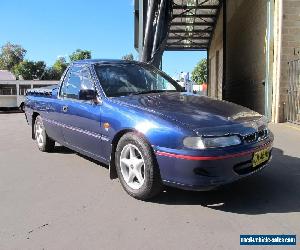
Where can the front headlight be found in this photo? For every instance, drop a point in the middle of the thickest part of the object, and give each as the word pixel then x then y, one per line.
pixel 211 142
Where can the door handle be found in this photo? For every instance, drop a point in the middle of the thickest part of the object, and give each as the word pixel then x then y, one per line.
pixel 65 109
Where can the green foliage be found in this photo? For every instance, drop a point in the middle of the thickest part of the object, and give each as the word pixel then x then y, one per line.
pixel 80 55
pixel 59 67
pixel 12 59
pixel 55 72
pixel 51 74
pixel 128 57
pixel 11 55
pixel 29 70
pixel 199 74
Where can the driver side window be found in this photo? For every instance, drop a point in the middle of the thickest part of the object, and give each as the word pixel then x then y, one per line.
pixel 86 80
pixel 77 78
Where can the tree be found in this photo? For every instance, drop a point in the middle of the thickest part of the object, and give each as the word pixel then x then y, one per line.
pixel 11 55
pixel 80 55
pixel 128 57
pixel 55 72
pixel 39 69
pixel 29 70
pixel 60 66
pixel 199 74
pixel 50 74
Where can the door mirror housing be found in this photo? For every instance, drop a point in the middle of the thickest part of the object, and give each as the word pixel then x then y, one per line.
pixel 87 95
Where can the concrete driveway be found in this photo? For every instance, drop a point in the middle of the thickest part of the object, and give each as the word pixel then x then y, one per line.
pixel 62 200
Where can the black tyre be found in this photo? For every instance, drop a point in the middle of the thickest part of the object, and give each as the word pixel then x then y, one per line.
pixel 137 167
pixel 44 143
pixel 22 107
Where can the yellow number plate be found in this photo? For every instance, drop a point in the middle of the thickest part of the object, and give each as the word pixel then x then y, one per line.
pixel 260 157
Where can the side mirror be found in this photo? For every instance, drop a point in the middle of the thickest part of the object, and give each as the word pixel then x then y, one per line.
pixel 87 95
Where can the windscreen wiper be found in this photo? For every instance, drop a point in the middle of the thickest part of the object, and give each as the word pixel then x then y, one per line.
pixel 153 91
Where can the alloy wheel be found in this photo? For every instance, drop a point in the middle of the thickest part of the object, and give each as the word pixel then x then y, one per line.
pixel 39 133
pixel 132 166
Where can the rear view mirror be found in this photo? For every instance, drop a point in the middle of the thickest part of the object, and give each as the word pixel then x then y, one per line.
pixel 87 95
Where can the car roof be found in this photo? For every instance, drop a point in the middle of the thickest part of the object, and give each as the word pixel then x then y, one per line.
pixel 102 61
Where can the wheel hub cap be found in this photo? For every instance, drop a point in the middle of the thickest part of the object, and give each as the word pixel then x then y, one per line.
pixel 132 166
pixel 39 134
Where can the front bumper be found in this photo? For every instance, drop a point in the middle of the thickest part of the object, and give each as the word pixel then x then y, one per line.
pixel 205 172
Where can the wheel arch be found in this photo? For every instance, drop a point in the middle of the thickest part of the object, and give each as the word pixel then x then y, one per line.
pixel 34 116
pixel 115 141
pixel 22 106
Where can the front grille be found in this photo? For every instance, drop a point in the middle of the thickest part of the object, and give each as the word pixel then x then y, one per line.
pixel 256 136
pixel 250 138
pixel 261 134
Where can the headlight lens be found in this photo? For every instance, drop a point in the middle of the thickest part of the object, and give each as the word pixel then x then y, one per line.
pixel 211 142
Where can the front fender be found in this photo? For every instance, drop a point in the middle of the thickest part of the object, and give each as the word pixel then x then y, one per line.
pixel 157 130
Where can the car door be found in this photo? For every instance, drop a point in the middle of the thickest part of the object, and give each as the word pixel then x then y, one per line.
pixel 53 115
pixel 81 119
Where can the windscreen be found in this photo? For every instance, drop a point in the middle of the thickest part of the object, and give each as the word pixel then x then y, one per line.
pixel 133 79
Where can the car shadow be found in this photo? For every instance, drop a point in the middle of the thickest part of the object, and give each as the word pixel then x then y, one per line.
pixel 100 164
pixel 10 111
pixel 59 149
pixel 276 189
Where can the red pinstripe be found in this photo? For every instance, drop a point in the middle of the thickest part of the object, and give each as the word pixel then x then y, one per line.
pixel 209 158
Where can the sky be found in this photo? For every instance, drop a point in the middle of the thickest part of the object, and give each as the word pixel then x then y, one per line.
pixel 48 29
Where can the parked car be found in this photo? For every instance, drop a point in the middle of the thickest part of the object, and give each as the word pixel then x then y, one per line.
pixel 136 119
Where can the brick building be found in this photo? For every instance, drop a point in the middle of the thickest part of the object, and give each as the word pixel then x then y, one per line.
pixel 253 47
pixel 261 39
